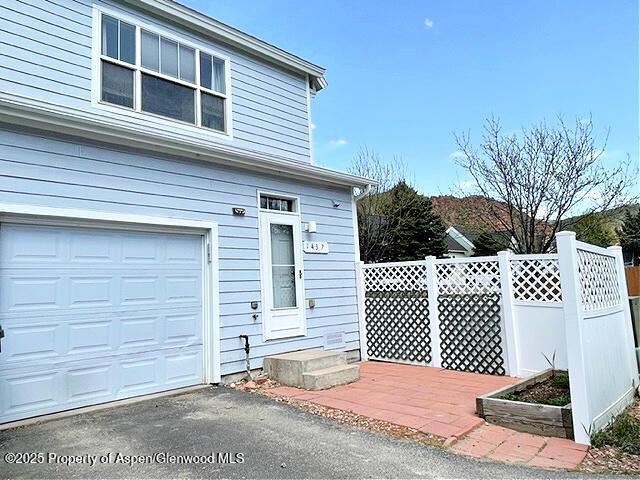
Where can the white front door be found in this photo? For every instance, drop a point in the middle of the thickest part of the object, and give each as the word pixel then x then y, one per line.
pixel 281 265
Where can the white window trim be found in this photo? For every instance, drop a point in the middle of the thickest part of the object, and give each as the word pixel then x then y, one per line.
pixel 38 215
pixel 266 283
pixel 137 113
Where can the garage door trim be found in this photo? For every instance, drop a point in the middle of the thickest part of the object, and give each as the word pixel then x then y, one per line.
pixel 40 215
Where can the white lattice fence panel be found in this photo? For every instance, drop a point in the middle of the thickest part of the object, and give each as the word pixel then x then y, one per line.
pixel 468 277
pixel 536 280
pixel 469 304
pixel 598 280
pixel 397 312
pixel 395 277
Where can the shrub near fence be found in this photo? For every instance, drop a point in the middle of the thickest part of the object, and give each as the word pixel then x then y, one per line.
pixel 510 314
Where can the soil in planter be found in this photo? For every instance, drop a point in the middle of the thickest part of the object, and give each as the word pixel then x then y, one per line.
pixel 552 391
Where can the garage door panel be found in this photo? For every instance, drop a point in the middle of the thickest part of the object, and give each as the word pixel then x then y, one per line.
pixel 30 392
pixel 90 336
pixel 140 332
pixel 31 245
pixel 63 339
pixel 100 289
pixel 38 390
pixel 179 368
pixel 35 292
pixel 94 315
pixel 141 290
pixel 183 251
pixel 183 289
pixel 92 383
pixel 49 246
pixel 183 328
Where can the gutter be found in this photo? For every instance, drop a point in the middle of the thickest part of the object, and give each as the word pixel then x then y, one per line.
pixel 23 111
pixel 364 193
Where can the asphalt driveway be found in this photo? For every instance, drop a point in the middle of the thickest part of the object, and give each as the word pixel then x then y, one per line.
pixel 249 436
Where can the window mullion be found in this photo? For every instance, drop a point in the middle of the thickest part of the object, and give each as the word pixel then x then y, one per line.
pixel 118 42
pixel 138 75
pixel 197 92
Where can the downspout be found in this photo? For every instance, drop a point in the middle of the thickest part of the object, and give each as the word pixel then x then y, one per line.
pixel 358 271
pixel 354 213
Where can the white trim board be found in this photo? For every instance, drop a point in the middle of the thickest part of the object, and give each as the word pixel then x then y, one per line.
pixel 19 110
pixel 34 214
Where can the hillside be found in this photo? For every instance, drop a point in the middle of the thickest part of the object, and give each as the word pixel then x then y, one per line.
pixel 468 212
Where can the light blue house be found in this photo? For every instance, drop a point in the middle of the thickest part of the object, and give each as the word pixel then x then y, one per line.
pixel 157 201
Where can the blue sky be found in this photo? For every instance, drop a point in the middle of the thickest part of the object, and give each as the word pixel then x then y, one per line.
pixel 403 76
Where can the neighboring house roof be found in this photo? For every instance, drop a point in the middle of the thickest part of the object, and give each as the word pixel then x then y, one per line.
pixel 453 245
pixel 217 30
pixel 457 241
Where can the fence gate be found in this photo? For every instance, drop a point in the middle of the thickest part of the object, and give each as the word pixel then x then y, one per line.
pixel 469 299
pixel 397 312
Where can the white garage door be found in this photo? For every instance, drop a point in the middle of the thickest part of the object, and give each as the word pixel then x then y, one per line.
pixel 94 315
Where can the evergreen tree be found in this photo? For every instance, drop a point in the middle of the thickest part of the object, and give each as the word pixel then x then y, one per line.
pixel 487 244
pixel 629 235
pixel 416 229
pixel 594 229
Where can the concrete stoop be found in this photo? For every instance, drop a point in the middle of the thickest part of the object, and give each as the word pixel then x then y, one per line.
pixel 311 369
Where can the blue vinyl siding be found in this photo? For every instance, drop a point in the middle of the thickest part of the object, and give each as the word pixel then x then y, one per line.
pixel 36 169
pixel 45 53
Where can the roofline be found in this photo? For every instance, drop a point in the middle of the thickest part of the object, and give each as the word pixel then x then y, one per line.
pixel 211 27
pixel 23 111
pixel 459 237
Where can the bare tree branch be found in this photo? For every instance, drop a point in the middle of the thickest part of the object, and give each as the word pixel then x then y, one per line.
pixel 542 177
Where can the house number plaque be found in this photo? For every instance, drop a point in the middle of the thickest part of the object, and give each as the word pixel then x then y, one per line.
pixel 315 247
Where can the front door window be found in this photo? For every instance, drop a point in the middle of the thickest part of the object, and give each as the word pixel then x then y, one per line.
pixel 283 266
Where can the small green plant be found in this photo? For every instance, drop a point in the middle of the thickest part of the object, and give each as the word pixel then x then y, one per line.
pixel 623 432
pixel 560 380
pixel 559 401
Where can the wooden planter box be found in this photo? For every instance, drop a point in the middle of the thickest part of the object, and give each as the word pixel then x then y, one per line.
pixel 547 420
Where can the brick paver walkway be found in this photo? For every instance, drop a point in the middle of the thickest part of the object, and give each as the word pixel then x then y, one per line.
pixel 505 445
pixel 441 403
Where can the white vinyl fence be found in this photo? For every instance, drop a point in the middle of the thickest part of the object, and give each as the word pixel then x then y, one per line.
pixel 603 370
pixel 510 314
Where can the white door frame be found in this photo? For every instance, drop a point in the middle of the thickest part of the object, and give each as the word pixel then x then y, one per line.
pixel 265 218
pixel 38 215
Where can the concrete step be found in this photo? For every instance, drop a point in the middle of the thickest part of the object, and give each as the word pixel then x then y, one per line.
pixel 330 377
pixel 288 368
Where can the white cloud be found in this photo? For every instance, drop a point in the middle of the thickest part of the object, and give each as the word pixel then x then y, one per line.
pixel 428 23
pixel 457 154
pixel 313 126
pixel 341 142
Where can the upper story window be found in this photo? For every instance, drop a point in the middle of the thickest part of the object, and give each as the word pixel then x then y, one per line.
pixel 148 72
